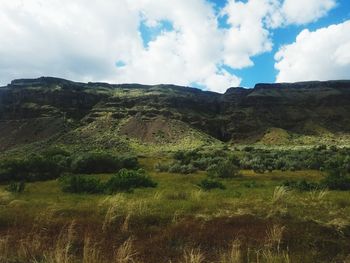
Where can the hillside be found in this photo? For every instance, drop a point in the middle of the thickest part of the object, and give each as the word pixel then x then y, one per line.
pixel 102 115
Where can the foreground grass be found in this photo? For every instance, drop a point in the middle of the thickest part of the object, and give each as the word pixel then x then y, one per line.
pixel 252 220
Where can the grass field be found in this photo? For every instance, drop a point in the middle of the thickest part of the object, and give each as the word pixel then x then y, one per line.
pixel 252 220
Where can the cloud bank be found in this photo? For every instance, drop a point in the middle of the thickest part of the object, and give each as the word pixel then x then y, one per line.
pixel 319 55
pixel 89 40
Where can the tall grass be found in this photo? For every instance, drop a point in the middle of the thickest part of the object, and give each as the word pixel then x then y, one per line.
pixel 5 197
pixel 63 249
pixel 193 256
pixel 274 236
pixel 279 195
pixel 114 205
pixel 4 248
pixel 234 254
pixel 269 256
pixel 126 253
pixel 318 196
pixel 91 251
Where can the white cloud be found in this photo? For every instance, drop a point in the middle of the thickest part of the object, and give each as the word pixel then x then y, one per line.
pixel 305 11
pixel 319 55
pixel 252 21
pixel 84 39
pixel 191 53
pixel 248 35
pixel 65 38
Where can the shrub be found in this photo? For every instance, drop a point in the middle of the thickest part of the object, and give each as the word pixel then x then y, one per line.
pixel 264 160
pixel 55 151
pixel 252 184
pixel 248 148
pixel 208 184
pixel 33 168
pixel 54 162
pixel 161 167
pixel 301 185
pixel 126 180
pixel 337 180
pixel 16 187
pixel 185 157
pixel 90 163
pixel 81 184
pixel 128 162
pixel 95 163
pixel 182 169
pixel 321 147
pixel 224 169
pixel 13 169
pixel 202 163
pixel 41 168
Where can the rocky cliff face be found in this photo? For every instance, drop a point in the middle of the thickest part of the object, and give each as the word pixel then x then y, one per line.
pixel 58 105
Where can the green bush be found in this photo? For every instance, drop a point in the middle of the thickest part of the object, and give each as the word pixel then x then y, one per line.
pixel 55 151
pixel 224 169
pixel 126 180
pixel 302 185
pixel 337 180
pixel 33 168
pixel 185 157
pixel 262 160
pixel 202 163
pixel 81 184
pixel 51 163
pixel 41 168
pixel 161 167
pixel 182 168
pixel 90 163
pixel 13 169
pixel 209 184
pixel 200 159
pixel 128 162
pixel 175 167
pixel 16 187
pixel 252 184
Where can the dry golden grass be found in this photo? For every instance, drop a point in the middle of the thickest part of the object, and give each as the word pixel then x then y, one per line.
pixel 114 206
pixel 269 256
pixel 62 251
pixel 234 255
pixel 4 248
pixel 193 256
pixel 126 253
pixel 125 225
pixel 274 236
pixel 318 196
pixel 279 195
pixel 91 251
pixel 5 197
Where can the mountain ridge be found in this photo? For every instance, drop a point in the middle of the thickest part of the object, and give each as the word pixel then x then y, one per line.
pixel 240 115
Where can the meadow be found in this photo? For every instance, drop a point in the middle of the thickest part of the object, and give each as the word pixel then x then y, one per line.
pixel 254 218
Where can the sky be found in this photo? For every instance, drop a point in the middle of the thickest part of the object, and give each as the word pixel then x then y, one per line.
pixel 208 44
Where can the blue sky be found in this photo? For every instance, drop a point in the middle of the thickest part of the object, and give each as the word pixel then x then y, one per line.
pixel 209 44
pixel 263 69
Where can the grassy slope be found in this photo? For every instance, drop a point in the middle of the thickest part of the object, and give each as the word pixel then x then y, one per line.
pixel 177 215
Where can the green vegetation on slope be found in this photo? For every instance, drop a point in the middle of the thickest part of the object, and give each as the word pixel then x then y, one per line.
pixel 183 215
pixel 149 119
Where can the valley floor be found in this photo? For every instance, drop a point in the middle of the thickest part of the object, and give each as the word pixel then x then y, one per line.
pixel 252 220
